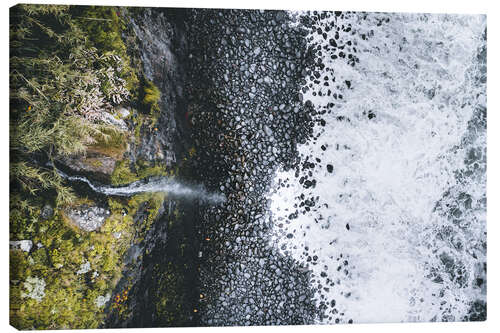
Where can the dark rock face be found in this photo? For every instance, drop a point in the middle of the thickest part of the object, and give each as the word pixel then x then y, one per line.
pixel 160 45
pixel 161 271
pixel 94 166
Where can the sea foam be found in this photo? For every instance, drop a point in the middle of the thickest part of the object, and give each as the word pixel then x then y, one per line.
pixel 399 225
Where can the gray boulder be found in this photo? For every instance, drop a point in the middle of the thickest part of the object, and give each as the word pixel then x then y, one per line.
pixel 88 218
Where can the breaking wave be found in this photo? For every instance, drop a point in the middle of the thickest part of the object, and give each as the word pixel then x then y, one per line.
pixel 388 208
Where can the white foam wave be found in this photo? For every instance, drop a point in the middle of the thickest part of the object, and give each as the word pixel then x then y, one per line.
pixel 374 226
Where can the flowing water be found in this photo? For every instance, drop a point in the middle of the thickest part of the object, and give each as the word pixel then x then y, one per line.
pixel 155 184
pixel 392 222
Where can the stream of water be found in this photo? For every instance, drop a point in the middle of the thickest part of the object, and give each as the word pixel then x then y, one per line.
pixel 155 184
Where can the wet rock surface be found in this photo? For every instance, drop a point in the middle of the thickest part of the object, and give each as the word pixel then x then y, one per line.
pixel 95 166
pixel 160 46
pixel 161 271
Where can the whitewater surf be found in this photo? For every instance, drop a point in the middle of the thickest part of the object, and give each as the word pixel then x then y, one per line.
pixel 388 209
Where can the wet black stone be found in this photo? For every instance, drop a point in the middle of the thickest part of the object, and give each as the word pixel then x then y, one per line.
pixel 329 167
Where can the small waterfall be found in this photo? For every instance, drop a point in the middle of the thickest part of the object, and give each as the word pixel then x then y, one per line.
pixel 157 184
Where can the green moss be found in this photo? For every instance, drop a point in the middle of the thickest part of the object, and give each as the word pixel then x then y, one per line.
pixel 94 162
pixel 69 299
pixel 104 28
pixel 122 174
pixel 192 152
pixel 157 170
pixel 144 169
pixel 153 203
pixel 151 97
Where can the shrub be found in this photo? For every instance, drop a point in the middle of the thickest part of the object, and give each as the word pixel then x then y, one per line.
pixel 60 89
pixel 104 30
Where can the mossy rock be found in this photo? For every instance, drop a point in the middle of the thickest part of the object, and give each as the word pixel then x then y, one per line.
pixel 123 173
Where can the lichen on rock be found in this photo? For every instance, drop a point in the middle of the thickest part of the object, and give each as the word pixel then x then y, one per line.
pixel 88 218
pixel 35 288
pixel 24 245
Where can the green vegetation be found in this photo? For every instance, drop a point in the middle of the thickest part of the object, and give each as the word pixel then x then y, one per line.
pixel 123 174
pixel 137 129
pixel 145 169
pixel 152 202
pixel 151 97
pixel 111 142
pixel 70 298
pixel 104 29
pixel 168 301
pixel 60 92
pixel 69 72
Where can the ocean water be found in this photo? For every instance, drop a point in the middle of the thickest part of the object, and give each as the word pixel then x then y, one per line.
pixel 388 208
